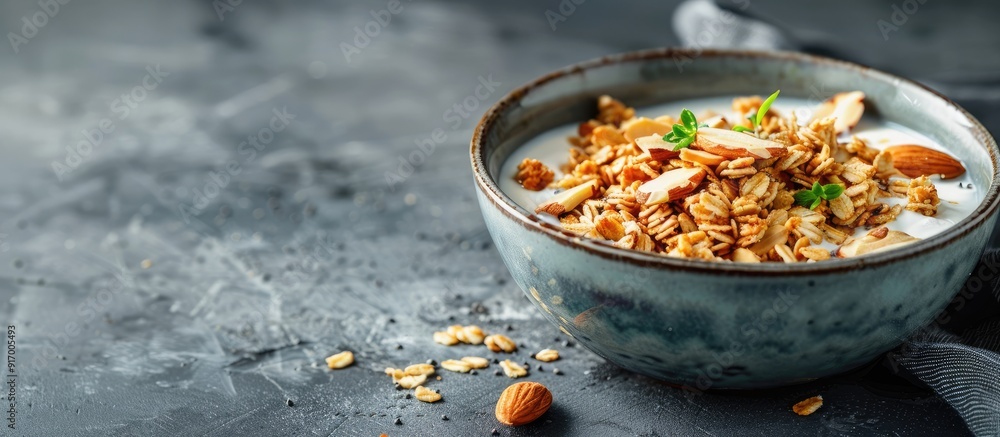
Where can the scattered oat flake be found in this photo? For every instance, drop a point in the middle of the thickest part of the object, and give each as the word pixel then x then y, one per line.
pixel 512 369
pixel 340 360
pixel 547 355
pixel 445 338
pixel 419 369
pixel 425 394
pixel 500 342
pixel 808 406
pixel 456 366
pixel 477 362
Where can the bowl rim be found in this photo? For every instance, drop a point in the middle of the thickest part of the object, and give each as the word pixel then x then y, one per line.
pixel 533 223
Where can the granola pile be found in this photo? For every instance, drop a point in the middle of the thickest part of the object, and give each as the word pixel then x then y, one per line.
pixel 732 194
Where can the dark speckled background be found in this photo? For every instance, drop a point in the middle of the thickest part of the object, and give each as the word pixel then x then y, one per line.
pixel 308 250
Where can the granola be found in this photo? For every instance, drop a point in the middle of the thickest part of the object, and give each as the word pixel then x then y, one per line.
pixel 725 194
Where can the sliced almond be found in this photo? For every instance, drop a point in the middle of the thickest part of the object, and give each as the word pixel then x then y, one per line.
pixel 744 255
pixel 847 108
pixel 701 157
pixel 569 199
pixel 718 122
pixel 773 236
pixel 915 161
pixel 644 127
pixel 658 149
pixel 670 185
pixel 877 240
pixel 731 144
pixel 445 338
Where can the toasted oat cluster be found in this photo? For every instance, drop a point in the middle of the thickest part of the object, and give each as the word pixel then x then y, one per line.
pixel 732 193
pixel 533 175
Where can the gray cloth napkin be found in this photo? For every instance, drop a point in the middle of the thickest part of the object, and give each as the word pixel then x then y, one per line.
pixel 958 355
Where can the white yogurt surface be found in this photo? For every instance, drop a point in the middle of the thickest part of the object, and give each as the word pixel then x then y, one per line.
pixel 552 149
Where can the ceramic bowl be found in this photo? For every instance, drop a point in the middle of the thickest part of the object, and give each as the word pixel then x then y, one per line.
pixel 708 325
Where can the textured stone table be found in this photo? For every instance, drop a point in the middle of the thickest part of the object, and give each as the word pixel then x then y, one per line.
pixel 196 211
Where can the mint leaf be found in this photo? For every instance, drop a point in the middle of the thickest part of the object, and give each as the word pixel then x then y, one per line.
pixel 741 128
pixel 684 133
pixel 687 118
pixel 683 143
pixel 764 107
pixel 832 191
pixel 805 198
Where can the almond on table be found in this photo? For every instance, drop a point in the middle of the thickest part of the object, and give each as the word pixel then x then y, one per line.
pixel 523 403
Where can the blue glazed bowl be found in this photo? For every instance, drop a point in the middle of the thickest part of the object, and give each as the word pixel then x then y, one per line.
pixel 711 325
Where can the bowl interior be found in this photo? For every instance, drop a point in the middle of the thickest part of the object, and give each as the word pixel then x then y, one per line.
pixel 653 77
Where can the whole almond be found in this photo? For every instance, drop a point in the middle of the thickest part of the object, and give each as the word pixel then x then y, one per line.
pixel 522 403
pixel 915 161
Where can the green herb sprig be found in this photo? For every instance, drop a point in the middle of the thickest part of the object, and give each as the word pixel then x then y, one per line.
pixel 812 198
pixel 683 133
pixel 758 117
